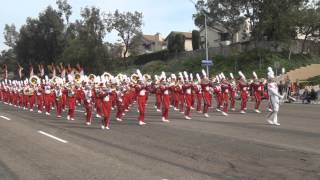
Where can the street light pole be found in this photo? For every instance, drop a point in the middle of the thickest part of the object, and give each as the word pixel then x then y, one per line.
pixel 207 51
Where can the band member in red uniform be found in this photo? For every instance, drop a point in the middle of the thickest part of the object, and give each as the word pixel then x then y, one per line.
pixel 243 88
pixel 198 93
pixel 106 104
pixel 158 93
pixel 207 96
pixel 71 100
pixel 257 87
pixel 225 88
pixel 141 90
pixel 88 103
pixel 58 98
pixel 218 93
pixel 47 96
pixel 187 89
pixel 165 90
pixel 233 92
pixel 39 93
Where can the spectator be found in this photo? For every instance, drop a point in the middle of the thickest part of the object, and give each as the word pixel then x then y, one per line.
pixel 306 96
pixel 313 95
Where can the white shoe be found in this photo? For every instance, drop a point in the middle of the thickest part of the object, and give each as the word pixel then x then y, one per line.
pixel 72 119
pixel 52 108
pixel 103 127
pixel 112 108
pixel 98 116
pixel 141 123
pixel 182 112
pixel 107 128
pixel 88 123
pixel 126 110
pixel 257 111
pixel 218 110
pixel 165 120
pixel 123 114
pixel 206 115
pixel 48 114
pixel 277 124
pixel 31 110
pixel 187 117
pixel 58 116
pixel 245 109
pixel 224 113
pixel 118 119
pixel 155 107
pixel 199 111
pixel 270 122
pixel 138 111
pixel 269 109
pixel 68 117
pixel 171 106
pixel 176 109
pixel 158 110
pixel 85 113
pixel 192 108
pixel 39 112
pixel 233 109
pixel 242 112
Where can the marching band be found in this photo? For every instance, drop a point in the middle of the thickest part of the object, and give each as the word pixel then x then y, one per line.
pixel 105 93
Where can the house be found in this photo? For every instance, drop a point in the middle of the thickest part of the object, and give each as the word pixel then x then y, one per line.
pixel 187 42
pixel 153 43
pixel 220 36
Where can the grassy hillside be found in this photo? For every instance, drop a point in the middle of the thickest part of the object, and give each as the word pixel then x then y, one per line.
pixel 246 62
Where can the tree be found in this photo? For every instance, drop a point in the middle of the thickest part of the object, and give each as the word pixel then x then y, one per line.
pixel 226 13
pixel 136 45
pixel 127 24
pixel 85 42
pixel 309 24
pixel 64 9
pixel 41 40
pixel 10 35
pixel 195 40
pixel 176 42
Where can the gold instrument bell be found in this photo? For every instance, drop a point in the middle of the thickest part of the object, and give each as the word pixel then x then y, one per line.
pixel 92 78
pixel 77 78
pixel 34 80
pixel 147 77
pixel 134 78
pixel 57 80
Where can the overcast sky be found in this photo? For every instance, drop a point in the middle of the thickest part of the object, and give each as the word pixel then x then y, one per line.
pixel 160 16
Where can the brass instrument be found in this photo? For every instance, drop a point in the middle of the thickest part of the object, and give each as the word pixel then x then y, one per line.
pixel 57 80
pixel 107 76
pixel 135 78
pixel 92 78
pixel 34 80
pixel 147 77
pixel 77 78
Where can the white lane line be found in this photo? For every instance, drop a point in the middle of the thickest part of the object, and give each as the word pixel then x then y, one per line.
pixel 6 118
pixel 53 137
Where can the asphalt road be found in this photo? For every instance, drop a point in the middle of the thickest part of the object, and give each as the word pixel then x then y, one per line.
pixel 233 147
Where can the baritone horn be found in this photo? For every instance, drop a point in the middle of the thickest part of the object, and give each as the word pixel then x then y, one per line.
pixel 147 77
pixel 92 78
pixel 77 78
pixel 57 80
pixel 134 78
pixel 34 80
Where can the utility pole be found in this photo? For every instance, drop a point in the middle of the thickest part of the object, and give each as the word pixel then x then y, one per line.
pixel 206 34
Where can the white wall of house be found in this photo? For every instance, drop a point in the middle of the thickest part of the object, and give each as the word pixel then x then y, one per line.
pixel 188 45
